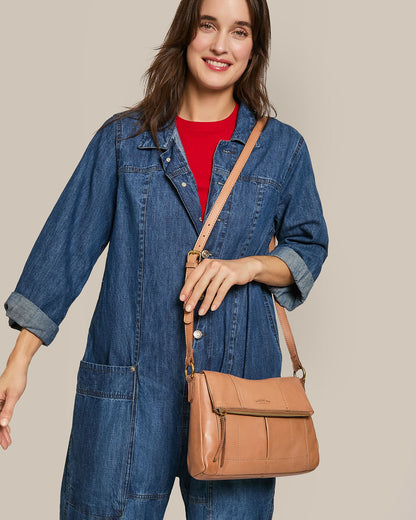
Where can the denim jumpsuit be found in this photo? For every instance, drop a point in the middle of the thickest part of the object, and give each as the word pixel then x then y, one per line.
pixel 128 438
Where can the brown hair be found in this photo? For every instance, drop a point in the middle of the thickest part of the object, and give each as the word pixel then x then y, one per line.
pixel 166 76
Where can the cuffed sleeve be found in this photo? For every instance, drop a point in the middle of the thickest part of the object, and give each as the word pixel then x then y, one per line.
pixel 301 230
pixel 23 313
pixel 74 235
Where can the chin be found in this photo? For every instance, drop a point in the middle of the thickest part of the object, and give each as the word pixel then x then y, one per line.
pixel 212 85
pixel 216 87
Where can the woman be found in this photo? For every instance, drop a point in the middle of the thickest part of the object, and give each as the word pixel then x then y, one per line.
pixel 145 184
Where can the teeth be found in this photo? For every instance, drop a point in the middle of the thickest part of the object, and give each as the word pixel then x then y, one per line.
pixel 217 63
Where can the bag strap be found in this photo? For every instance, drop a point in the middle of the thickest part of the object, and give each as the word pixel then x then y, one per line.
pixel 194 256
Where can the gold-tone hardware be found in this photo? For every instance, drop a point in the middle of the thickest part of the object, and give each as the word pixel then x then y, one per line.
pixel 194 252
pixel 303 373
pixel 133 369
pixel 220 411
pixel 221 445
pixel 259 413
pixel 186 369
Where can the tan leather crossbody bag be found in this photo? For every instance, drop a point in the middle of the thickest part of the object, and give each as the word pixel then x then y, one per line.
pixel 246 428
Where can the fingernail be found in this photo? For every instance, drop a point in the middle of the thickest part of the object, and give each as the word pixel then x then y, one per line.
pixel 201 310
pixel 188 308
pixel 182 297
pixel 213 307
pixel 3 422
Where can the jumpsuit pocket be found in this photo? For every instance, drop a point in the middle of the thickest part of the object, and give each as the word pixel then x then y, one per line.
pixel 99 450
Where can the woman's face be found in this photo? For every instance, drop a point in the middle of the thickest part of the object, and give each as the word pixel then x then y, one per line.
pixel 220 52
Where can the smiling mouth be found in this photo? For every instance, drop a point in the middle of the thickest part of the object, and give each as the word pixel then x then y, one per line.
pixel 215 63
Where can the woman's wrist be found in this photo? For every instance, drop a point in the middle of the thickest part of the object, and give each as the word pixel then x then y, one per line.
pixel 271 270
pixel 26 346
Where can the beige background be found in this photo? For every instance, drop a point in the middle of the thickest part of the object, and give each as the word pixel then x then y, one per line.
pixel 343 74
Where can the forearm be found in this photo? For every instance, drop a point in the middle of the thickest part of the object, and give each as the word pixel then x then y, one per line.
pixel 26 346
pixel 271 270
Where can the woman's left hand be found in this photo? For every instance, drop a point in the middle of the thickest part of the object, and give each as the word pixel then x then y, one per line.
pixel 215 277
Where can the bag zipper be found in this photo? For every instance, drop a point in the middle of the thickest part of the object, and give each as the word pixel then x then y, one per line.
pixel 260 413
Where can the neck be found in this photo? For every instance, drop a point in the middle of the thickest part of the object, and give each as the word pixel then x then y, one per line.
pixel 206 105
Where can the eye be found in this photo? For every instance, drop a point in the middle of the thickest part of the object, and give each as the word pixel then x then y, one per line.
pixel 206 25
pixel 241 33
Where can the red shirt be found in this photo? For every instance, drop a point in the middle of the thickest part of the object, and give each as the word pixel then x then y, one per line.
pixel 199 139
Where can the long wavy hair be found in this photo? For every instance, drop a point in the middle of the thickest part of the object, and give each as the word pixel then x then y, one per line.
pixel 165 78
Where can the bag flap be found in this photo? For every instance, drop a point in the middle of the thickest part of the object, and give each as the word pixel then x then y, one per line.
pixel 276 395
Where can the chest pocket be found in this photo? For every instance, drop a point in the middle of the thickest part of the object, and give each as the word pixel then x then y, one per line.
pixel 250 213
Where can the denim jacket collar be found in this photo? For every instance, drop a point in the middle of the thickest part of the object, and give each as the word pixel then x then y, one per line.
pixel 244 124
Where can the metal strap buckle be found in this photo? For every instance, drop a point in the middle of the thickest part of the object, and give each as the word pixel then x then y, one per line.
pixel 194 252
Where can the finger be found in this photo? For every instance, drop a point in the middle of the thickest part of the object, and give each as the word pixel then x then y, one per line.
pixel 7 412
pixel 4 442
pixel 6 436
pixel 200 286
pixel 222 291
pixel 211 292
pixel 191 280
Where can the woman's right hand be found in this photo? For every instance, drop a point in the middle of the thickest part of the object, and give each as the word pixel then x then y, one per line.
pixel 13 380
pixel 12 384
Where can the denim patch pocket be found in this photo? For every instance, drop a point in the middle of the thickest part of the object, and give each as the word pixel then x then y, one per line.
pixel 101 439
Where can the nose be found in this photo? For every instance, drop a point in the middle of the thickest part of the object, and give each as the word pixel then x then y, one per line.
pixel 219 43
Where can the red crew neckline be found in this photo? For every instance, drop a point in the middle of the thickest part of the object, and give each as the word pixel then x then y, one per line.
pixel 219 122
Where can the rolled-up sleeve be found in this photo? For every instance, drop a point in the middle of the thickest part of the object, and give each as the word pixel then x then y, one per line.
pixel 301 229
pixel 74 235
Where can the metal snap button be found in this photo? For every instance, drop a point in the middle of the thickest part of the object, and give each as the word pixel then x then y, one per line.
pixel 198 334
pixel 167 159
pixel 184 184
pixel 205 253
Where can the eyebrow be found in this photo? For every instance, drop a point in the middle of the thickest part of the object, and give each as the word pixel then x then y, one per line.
pixel 213 19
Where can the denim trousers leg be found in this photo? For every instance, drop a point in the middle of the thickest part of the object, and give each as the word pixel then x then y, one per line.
pixel 147 499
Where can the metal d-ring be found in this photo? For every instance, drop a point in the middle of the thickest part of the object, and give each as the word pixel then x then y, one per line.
pixel 186 370
pixel 303 373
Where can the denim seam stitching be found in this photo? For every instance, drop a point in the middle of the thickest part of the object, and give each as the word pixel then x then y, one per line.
pixel 233 330
pixel 272 321
pixel 259 201
pixel 137 169
pixel 294 156
pixel 154 496
pixel 130 451
pixel 141 270
pixel 110 369
pixel 118 135
pixel 108 395
pixel 99 517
